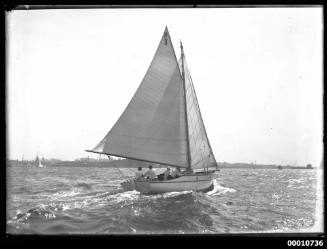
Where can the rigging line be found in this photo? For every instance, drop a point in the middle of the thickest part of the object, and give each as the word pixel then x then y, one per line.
pixel 197 126
pixel 121 173
pixel 196 122
pixel 139 87
pixel 211 152
pixel 181 69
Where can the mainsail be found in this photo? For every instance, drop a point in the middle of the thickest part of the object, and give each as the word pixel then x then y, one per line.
pixel 155 126
pixel 200 149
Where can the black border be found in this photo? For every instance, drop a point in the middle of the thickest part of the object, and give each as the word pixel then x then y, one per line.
pixel 262 240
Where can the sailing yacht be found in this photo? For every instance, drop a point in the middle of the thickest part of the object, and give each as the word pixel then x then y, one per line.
pixel 38 162
pixel 162 125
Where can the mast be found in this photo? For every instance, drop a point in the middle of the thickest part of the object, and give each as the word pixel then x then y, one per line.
pixel 157 105
pixel 185 109
pixel 205 132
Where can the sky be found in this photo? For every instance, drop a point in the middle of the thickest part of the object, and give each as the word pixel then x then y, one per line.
pixel 257 73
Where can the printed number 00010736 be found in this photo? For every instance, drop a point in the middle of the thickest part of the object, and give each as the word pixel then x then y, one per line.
pixel 305 243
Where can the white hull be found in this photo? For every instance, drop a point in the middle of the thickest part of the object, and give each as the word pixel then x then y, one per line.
pixel 195 182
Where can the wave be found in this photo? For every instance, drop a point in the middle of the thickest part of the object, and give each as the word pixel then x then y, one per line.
pixel 219 190
pixel 61 228
pixel 58 193
pixel 60 202
pixel 250 174
pixel 23 190
pixel 83 185
pixel 137 210
pixel 300 180
pixel 45 192
pixel 298 183
pixel 63 194
pixel 78 189
pixel 36 213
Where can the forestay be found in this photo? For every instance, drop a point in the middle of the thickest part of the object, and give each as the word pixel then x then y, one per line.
pixel 154 125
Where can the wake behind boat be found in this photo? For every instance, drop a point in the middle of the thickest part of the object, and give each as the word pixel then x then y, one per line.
pixel 162 125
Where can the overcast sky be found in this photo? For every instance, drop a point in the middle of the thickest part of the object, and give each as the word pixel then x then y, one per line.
pixel 257 73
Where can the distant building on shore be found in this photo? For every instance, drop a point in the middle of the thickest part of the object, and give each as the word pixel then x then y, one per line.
pixel 309 166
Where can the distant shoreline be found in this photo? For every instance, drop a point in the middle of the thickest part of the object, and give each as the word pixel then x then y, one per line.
pixel 134 164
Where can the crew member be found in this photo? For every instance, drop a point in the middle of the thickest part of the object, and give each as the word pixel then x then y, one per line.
pixel 150 174
pixel 138 173
pixel 176 172
pixel 166 174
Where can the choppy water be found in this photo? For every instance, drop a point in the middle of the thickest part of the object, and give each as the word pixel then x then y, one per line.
pixel 75 200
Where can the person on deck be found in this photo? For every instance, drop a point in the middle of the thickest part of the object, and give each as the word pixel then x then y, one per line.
pixel 139 173
pixel 166 174
pixel 176 172
pixel 150 174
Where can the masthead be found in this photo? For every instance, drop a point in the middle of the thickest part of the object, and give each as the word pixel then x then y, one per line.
pixel 181 46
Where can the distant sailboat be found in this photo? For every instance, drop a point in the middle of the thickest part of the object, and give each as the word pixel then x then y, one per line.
pixel 38 162
pixel 162 125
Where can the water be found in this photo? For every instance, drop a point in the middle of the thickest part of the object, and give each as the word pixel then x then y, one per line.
pixel 84 200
